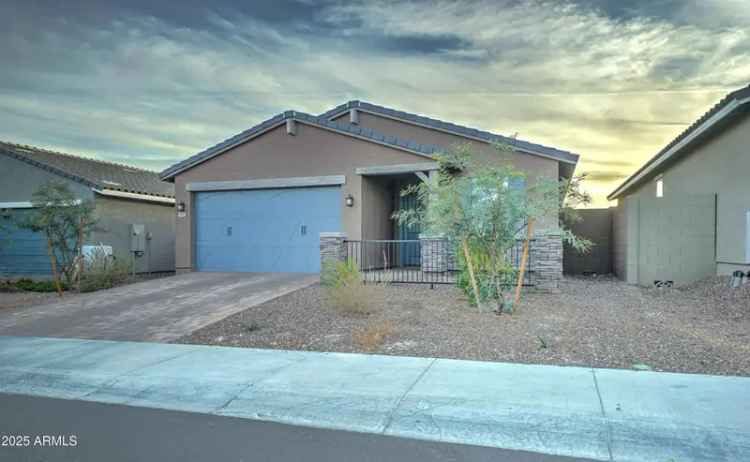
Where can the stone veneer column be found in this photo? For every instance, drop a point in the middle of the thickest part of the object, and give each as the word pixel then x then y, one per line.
pixel 332 247
pixel 434 254
pixel 546 261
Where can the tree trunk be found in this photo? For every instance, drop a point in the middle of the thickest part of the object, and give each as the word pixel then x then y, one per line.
pixel 53 262
pixel 524 259
pixel 472 278
pixel 494 265
pixel 79 248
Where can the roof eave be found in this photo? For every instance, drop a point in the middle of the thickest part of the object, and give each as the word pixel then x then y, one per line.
pixel 134 196
pixel 170 173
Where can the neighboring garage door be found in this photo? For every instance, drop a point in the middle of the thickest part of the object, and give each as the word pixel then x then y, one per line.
pixel 22 251
pixel 676 239
pixel 265 230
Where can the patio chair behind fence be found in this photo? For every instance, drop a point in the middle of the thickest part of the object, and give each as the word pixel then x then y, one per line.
pixel 417 261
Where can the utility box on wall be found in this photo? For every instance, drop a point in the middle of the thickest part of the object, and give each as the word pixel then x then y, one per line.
pixel 138 238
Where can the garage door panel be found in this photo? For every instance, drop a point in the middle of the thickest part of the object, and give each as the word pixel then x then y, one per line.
pixel 264 230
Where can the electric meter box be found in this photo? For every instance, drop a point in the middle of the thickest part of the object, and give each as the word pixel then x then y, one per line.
pixel 137 238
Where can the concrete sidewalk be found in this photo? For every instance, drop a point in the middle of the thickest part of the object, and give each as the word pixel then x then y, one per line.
pixel 592 413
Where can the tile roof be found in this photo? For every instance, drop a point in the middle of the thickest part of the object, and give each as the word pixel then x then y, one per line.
pixel 520 145
pixel 344 128
pixel 737 95
pixel 94 173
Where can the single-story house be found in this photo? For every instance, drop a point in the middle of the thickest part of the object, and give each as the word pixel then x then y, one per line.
pixel 260 200
pixel 685 214
pixel 134 208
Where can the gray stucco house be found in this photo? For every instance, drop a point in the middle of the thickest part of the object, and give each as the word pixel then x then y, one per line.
pixel 123 196
pixel 685 214
pixel 260 200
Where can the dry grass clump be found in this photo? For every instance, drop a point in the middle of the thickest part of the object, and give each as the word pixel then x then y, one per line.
pixel 372 336
pixel 355 298
pixel 345 292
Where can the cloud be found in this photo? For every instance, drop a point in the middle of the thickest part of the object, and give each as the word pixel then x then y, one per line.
pixel 149 83
pixel 603 176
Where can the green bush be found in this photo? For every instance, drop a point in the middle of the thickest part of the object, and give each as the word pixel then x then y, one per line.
pixel 337 273
pixel 487 289
pixel 103 271
pixel 29 285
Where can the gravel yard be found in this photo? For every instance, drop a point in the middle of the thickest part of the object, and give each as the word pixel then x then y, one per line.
pixel 703 328
pixel 20 299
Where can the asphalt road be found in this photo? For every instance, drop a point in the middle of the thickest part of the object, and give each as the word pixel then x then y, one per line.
pixel 123 433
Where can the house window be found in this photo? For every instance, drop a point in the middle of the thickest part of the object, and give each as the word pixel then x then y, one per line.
pixel 660 187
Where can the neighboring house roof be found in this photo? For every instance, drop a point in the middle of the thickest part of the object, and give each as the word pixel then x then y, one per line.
pixel 338 127
pixel 105 177
pixel 519 145
pixel 710 123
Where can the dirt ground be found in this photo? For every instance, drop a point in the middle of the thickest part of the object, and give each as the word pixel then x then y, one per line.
pixel 703 328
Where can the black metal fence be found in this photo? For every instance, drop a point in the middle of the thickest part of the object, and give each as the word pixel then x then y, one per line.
pixel 418 261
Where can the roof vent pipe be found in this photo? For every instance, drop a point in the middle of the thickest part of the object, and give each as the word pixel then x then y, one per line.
pixel 353 117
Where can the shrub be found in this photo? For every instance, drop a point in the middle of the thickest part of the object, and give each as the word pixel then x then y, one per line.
pixel 29 285
pixel 488 290
pixel 344 290
pixel 335 273
pixel 372 336
pixel 102 271
pixel 8 287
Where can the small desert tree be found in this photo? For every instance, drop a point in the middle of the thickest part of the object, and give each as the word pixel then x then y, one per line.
pixel 483 211
pixel 65 222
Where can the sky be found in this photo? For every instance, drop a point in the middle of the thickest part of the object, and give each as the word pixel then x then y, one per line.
pixel 149 82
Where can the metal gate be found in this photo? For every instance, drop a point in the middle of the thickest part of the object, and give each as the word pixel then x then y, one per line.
pixel 381 261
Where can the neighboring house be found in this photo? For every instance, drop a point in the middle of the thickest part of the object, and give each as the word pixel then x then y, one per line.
pixel 259 200
pixel 123 196
pixel 685 214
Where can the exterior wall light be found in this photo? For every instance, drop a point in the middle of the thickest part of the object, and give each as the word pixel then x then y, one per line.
pixel 181 207
pixel 349 201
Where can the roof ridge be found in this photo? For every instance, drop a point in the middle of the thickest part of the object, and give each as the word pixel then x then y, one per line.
pixel 74 156
pixel 453 127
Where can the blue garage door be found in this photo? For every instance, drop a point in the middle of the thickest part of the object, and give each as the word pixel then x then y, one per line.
pixel 264 230
pixel 22 251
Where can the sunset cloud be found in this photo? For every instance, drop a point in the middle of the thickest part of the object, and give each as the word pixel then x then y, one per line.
pixel 149 85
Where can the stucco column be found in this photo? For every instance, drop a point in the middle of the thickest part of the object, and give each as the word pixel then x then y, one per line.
pixel 434 254
pixel 546 261
pixel 332 247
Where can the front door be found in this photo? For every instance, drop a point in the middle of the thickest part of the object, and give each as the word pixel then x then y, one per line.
pixel 409 251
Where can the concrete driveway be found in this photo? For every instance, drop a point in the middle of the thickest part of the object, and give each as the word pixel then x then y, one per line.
pixel 158 310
